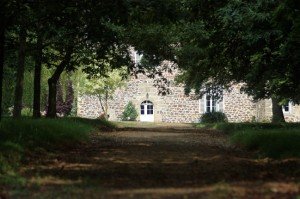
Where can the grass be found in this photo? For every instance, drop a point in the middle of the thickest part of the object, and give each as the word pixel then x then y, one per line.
pixel 231 128
pixel 274 143
pixel 26 135
pixel 269 140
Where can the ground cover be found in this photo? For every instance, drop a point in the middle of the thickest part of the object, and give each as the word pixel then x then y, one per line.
pixel 27 137
pixel 267 139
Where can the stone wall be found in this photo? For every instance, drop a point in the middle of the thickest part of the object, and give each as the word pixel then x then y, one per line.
pixel 294 115
pixel 177 107
pixel 238 107
pixel 88 106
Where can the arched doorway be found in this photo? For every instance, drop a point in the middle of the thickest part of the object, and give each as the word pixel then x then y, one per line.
pixel 147 110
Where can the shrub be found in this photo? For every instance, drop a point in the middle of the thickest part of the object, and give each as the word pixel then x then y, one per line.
pixel 130 113
pixel 213 117
pixel 26 112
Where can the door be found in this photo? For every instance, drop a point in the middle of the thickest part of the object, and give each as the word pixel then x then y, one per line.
pixel 147 112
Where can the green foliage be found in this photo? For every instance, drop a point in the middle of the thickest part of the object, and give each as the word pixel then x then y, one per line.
pixel 26 112
pixel 213 117
pixel 275 143
pixel 222 42
pixel 130 113
pixel 102 86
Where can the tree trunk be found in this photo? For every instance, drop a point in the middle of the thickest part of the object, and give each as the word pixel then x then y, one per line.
pixel 20 74
pixel 51 112
pixel 69 100
pixel 277 111
pixel 106 105
pixel 2 39
pixel 52 82
pixel 37 78
pixel 59 99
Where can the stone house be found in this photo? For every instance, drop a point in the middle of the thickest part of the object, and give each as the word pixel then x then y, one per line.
pixel 177 107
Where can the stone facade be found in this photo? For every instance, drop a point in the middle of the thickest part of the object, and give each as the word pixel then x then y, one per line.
pixel 177 107
pixel 88 106
pixel 239 107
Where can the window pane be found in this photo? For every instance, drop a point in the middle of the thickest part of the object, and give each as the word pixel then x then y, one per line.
pixel 213 109
pixel 208 103
pixel 286 108
pixel 207 109
pixel 142 112
pixel 213 102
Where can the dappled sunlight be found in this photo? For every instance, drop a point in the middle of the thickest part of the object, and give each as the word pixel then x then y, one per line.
pixel 159 165
pixel 218 190
pixel 51 180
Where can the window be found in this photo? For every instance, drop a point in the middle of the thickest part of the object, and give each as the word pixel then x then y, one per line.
pixel 149 109
pixel 286 108
pixel 211 104
pixel 142 109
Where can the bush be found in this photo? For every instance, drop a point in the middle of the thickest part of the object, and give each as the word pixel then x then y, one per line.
pixel 130 113
pixel 213 117
pixel 26 112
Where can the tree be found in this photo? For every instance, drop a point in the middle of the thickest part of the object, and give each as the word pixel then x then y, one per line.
pixel 21 63
pixel 42 20
pixel 217 43
pixel 90 28
pixel 65 97
pixel 2 39
pixel 130 113
pixel 103 87
pixel 7 13
pixel 53 80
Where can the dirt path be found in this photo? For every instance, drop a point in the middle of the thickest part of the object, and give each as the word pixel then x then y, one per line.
pixel 162 162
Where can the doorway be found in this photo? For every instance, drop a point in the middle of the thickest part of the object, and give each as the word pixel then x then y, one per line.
pixel 147 111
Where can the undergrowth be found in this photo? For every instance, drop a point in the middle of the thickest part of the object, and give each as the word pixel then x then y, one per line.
pixel 18 137
pixel 267 139
pixel 274 143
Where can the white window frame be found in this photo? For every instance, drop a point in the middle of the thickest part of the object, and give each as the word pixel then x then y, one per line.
pixel 290 109
pixel 211 102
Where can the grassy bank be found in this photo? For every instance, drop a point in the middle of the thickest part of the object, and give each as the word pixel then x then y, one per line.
pixel 23 136
pixel 269 140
